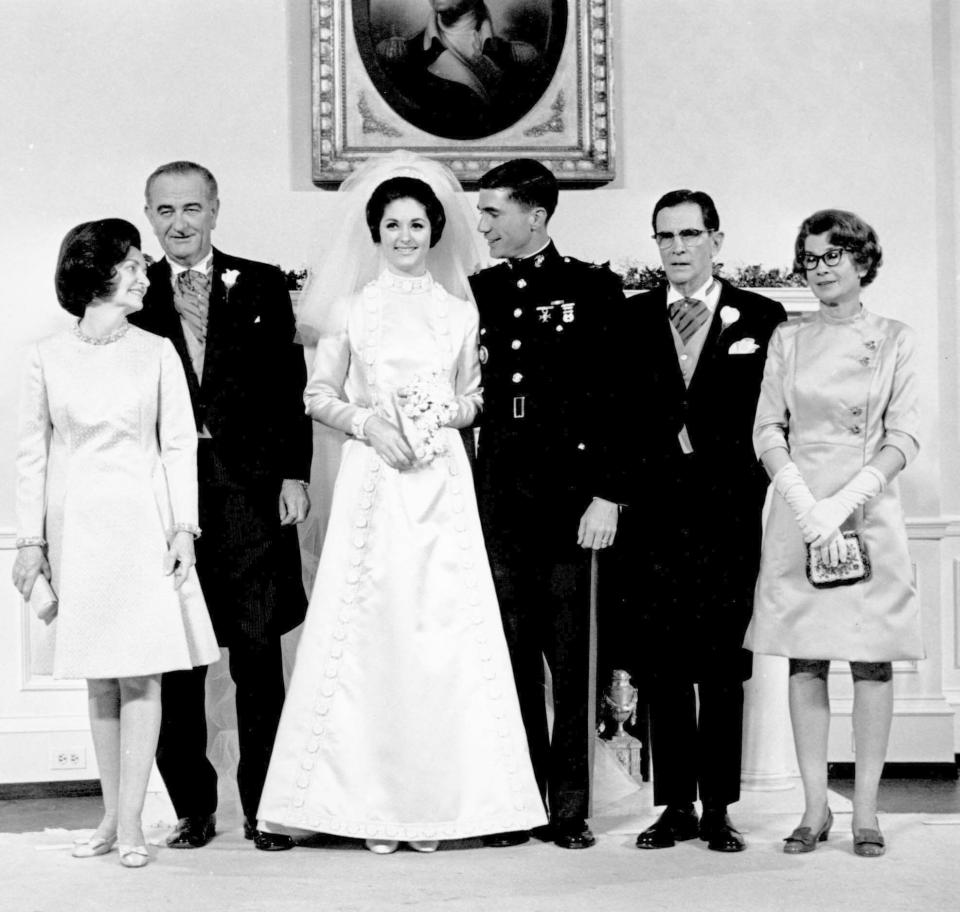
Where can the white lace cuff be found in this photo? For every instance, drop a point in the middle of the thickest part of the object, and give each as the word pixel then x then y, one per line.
pixel 192 528
pixel 31 541
pixel 356 426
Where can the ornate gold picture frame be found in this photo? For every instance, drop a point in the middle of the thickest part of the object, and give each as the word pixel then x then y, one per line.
pixel 535 83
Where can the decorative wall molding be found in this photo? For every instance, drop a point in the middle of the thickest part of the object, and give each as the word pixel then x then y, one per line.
pixel 932 528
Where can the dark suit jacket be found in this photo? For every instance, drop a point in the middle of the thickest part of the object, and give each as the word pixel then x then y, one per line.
pixel 251 399
pixel 693 532
pixel 251 393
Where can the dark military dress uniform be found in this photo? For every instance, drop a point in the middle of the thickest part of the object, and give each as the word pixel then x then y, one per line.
pixel 546 449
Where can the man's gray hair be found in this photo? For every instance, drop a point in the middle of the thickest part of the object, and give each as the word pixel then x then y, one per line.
pixel 184 167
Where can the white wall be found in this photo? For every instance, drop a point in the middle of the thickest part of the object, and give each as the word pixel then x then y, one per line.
pixel 773 106
pixel 776 107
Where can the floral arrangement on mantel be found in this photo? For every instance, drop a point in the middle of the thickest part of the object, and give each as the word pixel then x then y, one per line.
pixel 295 278
pixel 640 277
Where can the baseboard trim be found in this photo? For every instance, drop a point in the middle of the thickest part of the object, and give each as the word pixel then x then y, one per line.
pixel 937 771
pixel 81 788
pixel 71 788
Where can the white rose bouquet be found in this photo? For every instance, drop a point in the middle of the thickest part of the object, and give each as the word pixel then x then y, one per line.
pixel 427 403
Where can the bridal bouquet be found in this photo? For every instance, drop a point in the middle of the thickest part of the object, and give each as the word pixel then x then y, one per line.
pixel 428 404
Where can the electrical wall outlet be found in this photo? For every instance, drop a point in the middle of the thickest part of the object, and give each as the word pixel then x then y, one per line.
pixel 68 758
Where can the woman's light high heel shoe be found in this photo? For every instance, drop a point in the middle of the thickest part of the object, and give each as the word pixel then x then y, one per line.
pixel 92 846
pixel 804 839
pixel 425 845
pixel 868 843
pixel 382 846
pixel 133 856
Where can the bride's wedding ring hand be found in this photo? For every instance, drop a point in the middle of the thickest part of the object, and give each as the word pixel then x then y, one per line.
pixel 390 444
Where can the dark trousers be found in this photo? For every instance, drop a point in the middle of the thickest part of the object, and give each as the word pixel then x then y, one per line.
pixel 257 671
pixel 544 595
pixel 691 751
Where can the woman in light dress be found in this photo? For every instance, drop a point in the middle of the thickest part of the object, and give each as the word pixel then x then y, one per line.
pixel 401 722
pixel 107 512
pixel 836 423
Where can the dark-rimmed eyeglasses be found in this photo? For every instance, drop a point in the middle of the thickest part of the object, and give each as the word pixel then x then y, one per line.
pixel 831 257
pixel 689 237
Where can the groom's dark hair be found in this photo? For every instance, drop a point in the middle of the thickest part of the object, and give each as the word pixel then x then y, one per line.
pixel 528 182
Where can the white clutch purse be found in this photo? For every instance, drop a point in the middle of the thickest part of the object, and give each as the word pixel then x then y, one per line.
pixel 43 600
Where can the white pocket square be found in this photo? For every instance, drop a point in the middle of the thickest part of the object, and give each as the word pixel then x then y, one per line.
pixel 743 347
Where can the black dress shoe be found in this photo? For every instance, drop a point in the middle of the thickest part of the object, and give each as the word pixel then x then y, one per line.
pixel 504 840
pixel 672 826
pixel 272 842
pixel 192 832
pixel 573 834
pixel 719 833
pixel 267 842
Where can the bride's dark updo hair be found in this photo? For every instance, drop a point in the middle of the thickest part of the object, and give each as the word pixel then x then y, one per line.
pixel 405 188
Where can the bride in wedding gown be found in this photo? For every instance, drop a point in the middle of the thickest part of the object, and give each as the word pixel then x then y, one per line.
pixel 401 722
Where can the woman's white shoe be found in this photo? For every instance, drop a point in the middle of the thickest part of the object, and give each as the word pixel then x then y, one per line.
pixel 382 846
pixel 425 845
pixel 92 846
pixel 133 856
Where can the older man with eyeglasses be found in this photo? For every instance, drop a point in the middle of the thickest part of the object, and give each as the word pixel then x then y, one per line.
pixel 692 535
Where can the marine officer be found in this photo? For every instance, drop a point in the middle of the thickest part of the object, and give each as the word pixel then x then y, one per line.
pixel 549 473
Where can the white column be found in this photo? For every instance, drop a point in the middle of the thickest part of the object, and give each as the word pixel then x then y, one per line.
pixel 769 762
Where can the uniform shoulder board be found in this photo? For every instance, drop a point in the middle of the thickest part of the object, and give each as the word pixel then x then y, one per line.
pixel 393 49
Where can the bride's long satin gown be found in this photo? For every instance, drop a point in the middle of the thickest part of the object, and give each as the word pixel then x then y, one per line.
pixel 401 720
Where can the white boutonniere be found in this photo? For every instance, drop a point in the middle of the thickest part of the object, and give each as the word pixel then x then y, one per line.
pixel 229 278
pixel 729 316
pixel 745 346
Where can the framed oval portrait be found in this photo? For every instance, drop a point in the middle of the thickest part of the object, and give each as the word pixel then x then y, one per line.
pixel 460 69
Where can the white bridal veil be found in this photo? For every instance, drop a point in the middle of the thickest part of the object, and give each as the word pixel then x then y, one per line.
pixel 351 259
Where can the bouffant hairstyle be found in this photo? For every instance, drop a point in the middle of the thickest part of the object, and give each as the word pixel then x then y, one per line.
pixel 846 230
pixel 87 263
pixel 180 168
pixel 529 183
pixel 405 188
pixel 711 218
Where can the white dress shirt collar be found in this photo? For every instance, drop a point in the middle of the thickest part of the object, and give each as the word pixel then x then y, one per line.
pixel 709 293
pixel 205 265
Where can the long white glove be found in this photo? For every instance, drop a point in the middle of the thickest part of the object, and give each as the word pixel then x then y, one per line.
pixel 789 484
pixel 821 522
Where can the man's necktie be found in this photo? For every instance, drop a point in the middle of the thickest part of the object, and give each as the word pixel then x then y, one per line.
pixel 191 298
pixel 688 315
